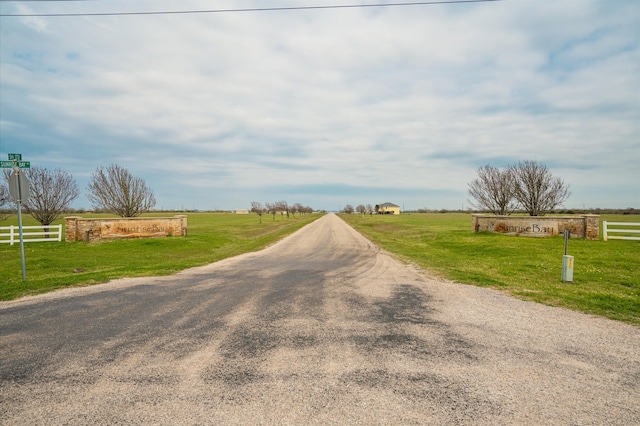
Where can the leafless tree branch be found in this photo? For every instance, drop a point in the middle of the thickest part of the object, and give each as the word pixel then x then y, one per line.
pixel 115 189
pixel 52 192
pixel 493 190
pixel 536 189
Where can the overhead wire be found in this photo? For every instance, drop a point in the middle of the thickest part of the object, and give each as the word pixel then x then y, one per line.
pixel 238 10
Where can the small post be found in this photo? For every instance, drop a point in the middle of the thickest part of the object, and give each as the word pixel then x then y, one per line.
pixel 567 261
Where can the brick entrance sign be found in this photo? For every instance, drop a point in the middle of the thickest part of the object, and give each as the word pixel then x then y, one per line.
pixel 81 229
pixel 584 226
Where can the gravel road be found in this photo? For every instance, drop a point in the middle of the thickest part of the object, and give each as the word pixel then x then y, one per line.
pixel 321 328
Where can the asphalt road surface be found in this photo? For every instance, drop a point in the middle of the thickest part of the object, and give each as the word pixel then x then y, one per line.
pixel 321 328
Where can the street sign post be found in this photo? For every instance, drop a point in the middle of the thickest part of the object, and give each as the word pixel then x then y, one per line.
pixel 19 191
pixel 15 160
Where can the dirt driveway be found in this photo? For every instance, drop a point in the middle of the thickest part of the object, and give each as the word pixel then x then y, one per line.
pixel 321 328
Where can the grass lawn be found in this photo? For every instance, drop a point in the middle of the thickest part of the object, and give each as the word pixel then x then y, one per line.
pixel 212 237
pixel 606 276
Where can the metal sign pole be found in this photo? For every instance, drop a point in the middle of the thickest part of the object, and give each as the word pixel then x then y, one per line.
pixel 24 274
pixel 19 203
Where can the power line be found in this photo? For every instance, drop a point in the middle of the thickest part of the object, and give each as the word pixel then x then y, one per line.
pixel 256 9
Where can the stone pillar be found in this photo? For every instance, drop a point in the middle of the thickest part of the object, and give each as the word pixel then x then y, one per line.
pixel 475 227
pixel 592 226
pixel 71 228
pixel 183 224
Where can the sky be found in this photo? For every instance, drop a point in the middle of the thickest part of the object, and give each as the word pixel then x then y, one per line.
pixel 325 107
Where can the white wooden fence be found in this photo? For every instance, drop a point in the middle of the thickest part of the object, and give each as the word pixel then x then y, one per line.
pixel 30 234
pixel 606 230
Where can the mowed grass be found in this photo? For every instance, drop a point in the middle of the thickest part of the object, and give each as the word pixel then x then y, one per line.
pixel 212 237
pixel 606 277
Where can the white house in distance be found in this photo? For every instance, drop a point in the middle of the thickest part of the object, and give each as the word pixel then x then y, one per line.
pixel 387 208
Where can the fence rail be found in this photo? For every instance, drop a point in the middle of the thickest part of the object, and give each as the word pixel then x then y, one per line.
pixel 30 234
pixel 606 230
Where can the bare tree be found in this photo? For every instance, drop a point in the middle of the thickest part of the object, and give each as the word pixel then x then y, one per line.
pixel 52 192
pixel 4 194
pixel 536 189
pixel 116 190
pixel 348 209
pixel 297 208
pixel 271 208
pixel 360 208
pixel 258 208
pixel 5 198
pixel 494 190
pixel 282 207
pixel 369 208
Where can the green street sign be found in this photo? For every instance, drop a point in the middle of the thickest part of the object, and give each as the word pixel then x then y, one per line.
pixel 17 157
pixel 4 164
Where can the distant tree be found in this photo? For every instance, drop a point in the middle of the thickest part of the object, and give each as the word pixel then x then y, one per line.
pixel 283 208
pixel 51 194
pixel 271 208
pixel 348 209
pixel 369 209
pixel 536 189
pixel 360 208
pixel 297 208
pixel 115 189
pixel 258 208
pixel 494 190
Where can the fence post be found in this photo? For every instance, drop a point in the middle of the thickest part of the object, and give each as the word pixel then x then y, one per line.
pixel 604 230
pixel 11 235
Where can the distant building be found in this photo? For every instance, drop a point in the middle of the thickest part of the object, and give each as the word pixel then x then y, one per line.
pixel 242 211
pixel 387 208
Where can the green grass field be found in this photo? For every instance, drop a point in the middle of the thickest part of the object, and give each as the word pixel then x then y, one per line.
pixel 212 237
pixel 606 278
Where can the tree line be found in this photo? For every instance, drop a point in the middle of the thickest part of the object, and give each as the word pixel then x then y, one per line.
pixel 527 185
pixel 278 207
pixel 360 208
